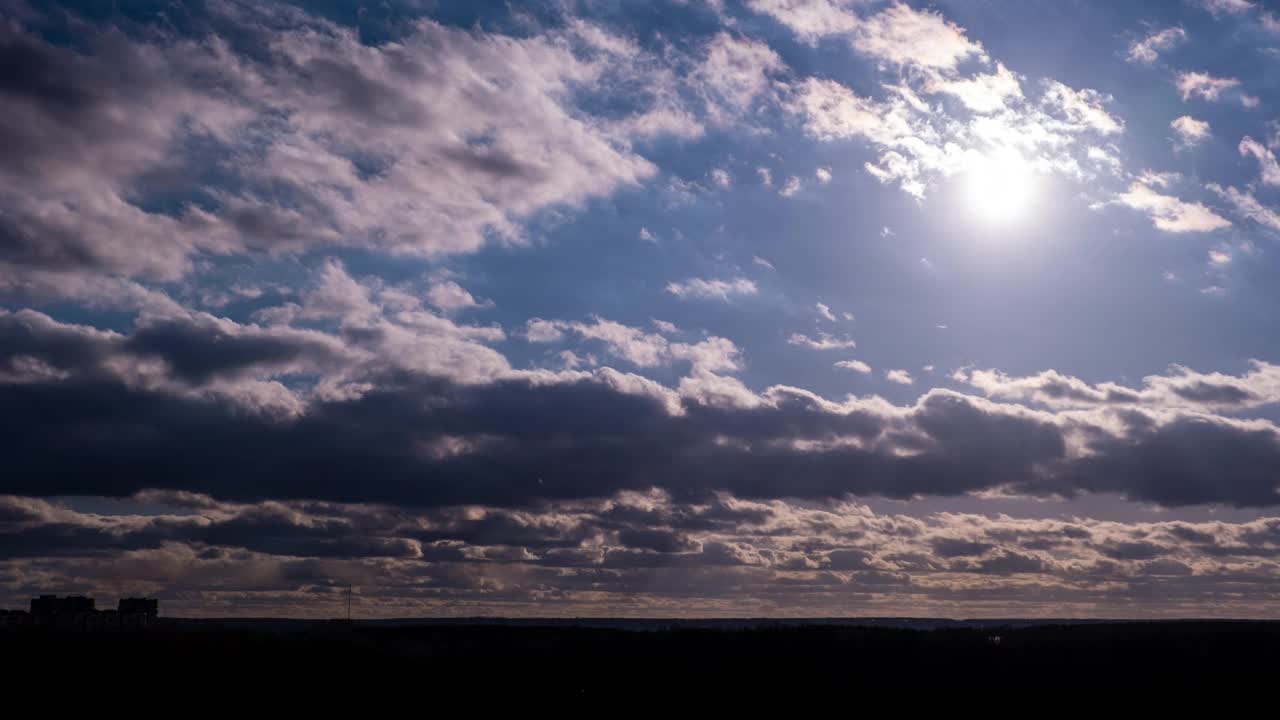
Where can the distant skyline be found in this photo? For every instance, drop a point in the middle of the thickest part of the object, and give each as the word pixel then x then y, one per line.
pixel 665 308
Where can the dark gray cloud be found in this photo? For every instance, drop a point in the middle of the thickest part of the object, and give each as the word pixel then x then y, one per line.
pixel 91 414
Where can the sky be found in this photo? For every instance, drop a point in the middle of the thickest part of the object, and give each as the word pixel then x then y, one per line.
pixel 665 308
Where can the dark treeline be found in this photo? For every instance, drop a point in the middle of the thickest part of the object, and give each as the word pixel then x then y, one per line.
pixel 561 660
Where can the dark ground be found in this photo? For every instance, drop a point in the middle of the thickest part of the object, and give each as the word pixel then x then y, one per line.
pixel 561 659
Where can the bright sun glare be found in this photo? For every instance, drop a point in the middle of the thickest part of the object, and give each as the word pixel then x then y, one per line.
pixel 1000 187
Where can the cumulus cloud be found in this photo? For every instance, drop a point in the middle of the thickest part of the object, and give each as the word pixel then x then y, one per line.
pixel 855 365
pixel 811 20
pixel 1190 131
pixel 449 296
pixel 903 36
pixel 326 141
pixel 901 377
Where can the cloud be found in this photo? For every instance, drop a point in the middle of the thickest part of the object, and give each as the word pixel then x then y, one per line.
pixel 1266 159
pixel 1246 204
pixel 1148 49
pixel 901 377
pixel 711 289
pixel 824 341
pixel 1226 7
pixel 734 73
pixel 640 348
pixel 982 93
pixel 918 144
pixel 320 140
pixel 1084 107
pixel 1203 85
pixel 1191 132
pixel 903 36
pixel 1171 214
pixel 1181 388
pixel 449 296
pixel 172 412
pixel 811 20
pixel 643 549
pixel 825 312
pixel 854 365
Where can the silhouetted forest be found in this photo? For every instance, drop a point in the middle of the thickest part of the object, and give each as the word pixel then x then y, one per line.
pixel 562 659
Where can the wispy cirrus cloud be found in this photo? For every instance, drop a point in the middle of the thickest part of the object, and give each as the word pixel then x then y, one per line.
pixel 1148 49
pixel 1170 213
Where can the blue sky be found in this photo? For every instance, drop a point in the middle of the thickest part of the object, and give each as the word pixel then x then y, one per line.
pixel 571 307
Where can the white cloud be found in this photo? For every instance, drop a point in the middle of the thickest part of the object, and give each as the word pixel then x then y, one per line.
pixel 542 331
pixel 810 20
pixel 901 377
pixel 450 296
pixel 1226 7
pixel 824 341
pixel 1246 204
pixel 757 260
pixel 720 178
pixel 918 145
pixel 981 93
pixel 825 312
pixel 1148 49
pixel 665 327
pixel 823 174
pixel 706 289
pixel 733 74
pixel 1171 214
pixel 765 174
pixel 791 187
pixel 854 365
pixel 640 348
pixel 1203 85
pixel 906 37
pixel 1085 107
pixel 1190 131
pixel 1269 166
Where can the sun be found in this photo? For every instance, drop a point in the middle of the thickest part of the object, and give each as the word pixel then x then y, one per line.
pixel 1000 187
